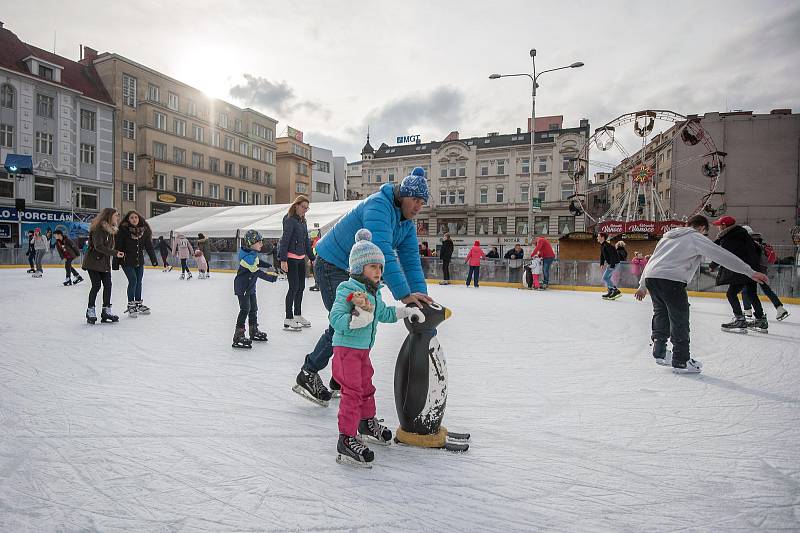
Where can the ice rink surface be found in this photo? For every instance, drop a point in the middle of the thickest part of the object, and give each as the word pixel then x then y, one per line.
pixel 156 424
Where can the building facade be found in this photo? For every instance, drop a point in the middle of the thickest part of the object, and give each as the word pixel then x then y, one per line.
pixel 57 111
pixel 339 178
pixel 354 180
pixel 293 170
pixel 175 147
pixel 322 175
pixel 481 186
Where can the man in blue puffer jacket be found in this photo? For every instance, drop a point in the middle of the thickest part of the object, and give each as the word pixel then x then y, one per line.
pixel 389 215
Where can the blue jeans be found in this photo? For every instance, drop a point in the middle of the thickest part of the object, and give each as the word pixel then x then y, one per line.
pixel 607 277
pixel 329 276
pixel 134 275
pixel 474 271
pixel 546 270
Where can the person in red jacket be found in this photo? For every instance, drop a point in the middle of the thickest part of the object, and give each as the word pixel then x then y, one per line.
pixel 474 261
pixel 68 252
pixel 544 250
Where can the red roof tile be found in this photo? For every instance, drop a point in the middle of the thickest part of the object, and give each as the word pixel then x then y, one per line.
pixel 74 75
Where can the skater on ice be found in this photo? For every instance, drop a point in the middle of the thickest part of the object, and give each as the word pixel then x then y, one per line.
pixel 473 259
pixel 182 249
pixel 40 246
pixel 389 215
pixel 446 256
pixel 68 252
pixel 135 238
pixel 354 317
pixel 97 262
pixel 202 264
pixel 294 248
pixel 163 248
pixel 673 264
pixel 204 245
pixel 767 257
pixel 610 258
pixel 544 250
pixel 244 287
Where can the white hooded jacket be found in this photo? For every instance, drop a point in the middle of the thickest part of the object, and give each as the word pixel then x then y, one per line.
pixel 679 253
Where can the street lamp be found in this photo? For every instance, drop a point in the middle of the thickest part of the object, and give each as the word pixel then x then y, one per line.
pixel 533 77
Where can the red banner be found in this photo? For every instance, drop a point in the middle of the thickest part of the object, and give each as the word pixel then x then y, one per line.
pixel 638 226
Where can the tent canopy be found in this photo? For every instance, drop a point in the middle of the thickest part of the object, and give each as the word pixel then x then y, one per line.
pixel 226 221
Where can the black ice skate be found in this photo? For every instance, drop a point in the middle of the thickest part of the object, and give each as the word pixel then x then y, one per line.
pixel 77 280
pixel 607 294
pixel 239 340
pixel 68 282
pixel 353 452
pixel 615 294
pixel 132 310
pixel 257 335
pixel 336 389
pixel 141 308
pixel 375 432
pixel 737 325
pixel 310 387
pixel 108 316
pixel 689 367
pixel 91 315
pixel 759 325
pixel 30 271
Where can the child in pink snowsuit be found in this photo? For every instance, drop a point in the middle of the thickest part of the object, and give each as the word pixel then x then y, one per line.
pixel 354 316
pixel 202 264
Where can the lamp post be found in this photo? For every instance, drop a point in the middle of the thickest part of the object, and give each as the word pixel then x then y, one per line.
pixel 533 77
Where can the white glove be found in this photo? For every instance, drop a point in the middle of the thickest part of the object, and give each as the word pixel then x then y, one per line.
pixel 410 313
pixel 360 318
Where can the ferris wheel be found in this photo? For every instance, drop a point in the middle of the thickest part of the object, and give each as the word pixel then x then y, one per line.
pixel 640 199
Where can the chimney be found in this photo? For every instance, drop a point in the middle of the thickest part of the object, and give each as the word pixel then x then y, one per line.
pixel 773 112
pixel 519 130
pixel 1 25
pixel 87 55
pixel 453 136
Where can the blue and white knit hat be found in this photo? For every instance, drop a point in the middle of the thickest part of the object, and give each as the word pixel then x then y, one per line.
pixel 415 185
pixel 364 252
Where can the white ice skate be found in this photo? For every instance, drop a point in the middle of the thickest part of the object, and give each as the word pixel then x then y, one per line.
pixel 302 321
pixel 290 324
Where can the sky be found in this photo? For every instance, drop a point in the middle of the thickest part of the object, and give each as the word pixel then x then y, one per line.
pixel 332 69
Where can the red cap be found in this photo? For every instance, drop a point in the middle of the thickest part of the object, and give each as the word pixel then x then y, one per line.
pixel 726 220
pixel 477 243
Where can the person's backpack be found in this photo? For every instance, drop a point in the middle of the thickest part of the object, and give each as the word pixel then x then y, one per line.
pixel 769 251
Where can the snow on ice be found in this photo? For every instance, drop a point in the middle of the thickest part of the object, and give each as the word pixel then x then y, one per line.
pixel 157 424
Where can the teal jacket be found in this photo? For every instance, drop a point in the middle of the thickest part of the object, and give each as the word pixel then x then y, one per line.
pixel 339 317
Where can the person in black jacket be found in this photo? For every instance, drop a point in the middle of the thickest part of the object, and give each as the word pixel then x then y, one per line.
pixel 133 239
pixel 31 253
pixel 608 255
pixel 446 255
pixel 163 248
pixel 244 287
pixel 493 253
pixel 515 253
pixel 68 252
pixel 295 247
pixel 736 240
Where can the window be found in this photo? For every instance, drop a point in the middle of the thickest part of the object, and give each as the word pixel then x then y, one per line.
pixel 301 187
pixel 270 137
pixel 237 125
pixel 215 138
pixel 442 196
pixel 128 161
pixel 669 174
pixel 462 171
pixel 452 171
pixel 499 225
pixel 443 172
pixel 270 156
pixel 129 129
pixel 542 164
pixel 541 225
pixel 191 107
pixel 484 169
pixel 153 93
pixel 179 127
pixel 256 152
pixel 87 154
pixel 391 176
pixel 541 192
pixel 229 168
pixel 160 120
pixel 243 172
pixel 242 196
pixel 44 189
pixel 6 186
pixel 229 143
pixel 268 177
pixel 197 188
pixel 526 166
pixel 179 156
pixel 378 177
pixel 86 197
pixel 160 181
pixel 259 130
pixel 7 96
pixel 179 184
pixel 461 196
pixel 484 197
pixel 521 225
pixel 256 175
pixel 88 120
pixel 499 195
pixel 451 196
pixel 324 188
pixel 44 143
pixel 213 191
pixel 6 135
pixel 46 72
pixel 567 190
pixel 159 151
pixel 222 120
pixel 482 226
pixel 128 192
pixel 269 196
pixel 566 163
pixel 454 226
pixel 197 160
pixel 256 196
pixel 197 132
pixel 229 194
pixel 523 193
pixel 302 168
pixel 566 224
pixel 501 167
pixel 243 148
pixel 172 102
pixel 213 164
pixel 44 106
pixel 129 90
pixel 322 166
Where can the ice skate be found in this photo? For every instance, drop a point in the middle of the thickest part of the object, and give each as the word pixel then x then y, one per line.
pixel 141 308
pixel 310 387
pixel 77 280
pixel 91 315
pixel 607 294
pixel 169 268
pixel 444 283
pixel 302 321
pixel 68 282
pixel 662 356
pixel 290 324
pixel 107 316
pixel 239 340
pixel 336 389
pixel 781 313
pixel 30 271
pixel 315 288
pixel 749 318
pixel 201 276
pixel 183 276
pixel 353 452
pixel 37 274
pixel 132 310
pixel 689 367
pixel 189 276
pixel 256 335
pixel 374 432
pixel 759 325
pixel 737 325
pixel 615 294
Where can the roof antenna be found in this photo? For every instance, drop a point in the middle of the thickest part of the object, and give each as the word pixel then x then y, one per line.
pixel 54 42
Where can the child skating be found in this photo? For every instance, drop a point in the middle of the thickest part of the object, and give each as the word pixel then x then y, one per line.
pixel 354 316
pixel 244 287
pixel 202 264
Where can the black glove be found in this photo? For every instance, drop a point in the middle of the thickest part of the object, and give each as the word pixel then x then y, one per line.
pixel 154 262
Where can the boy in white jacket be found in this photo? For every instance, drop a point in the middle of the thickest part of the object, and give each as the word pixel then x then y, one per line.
pixel 672 265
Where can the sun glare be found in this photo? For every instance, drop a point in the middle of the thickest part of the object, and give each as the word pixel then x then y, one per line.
pixel 209 69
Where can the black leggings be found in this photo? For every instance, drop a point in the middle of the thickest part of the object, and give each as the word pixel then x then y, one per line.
pixel 164 259
pixel 185 266
pixel 248 308
pixel 69 269
pixel 297 284
pixel 98 278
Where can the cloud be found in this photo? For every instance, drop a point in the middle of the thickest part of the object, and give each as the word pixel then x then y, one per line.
pixel 276 97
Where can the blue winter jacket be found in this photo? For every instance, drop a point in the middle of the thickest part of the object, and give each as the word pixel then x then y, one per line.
pixel 395 236
pixel 294 239
pixel 339 317
pixel 249 271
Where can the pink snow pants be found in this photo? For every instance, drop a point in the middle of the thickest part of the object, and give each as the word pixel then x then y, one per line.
pixel 352 369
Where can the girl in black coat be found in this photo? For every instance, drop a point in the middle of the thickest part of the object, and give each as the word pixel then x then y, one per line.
pixel 294 248
pixel 736 240
pixel 133 239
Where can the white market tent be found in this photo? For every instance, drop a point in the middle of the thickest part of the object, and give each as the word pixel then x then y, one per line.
pixel 228 221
